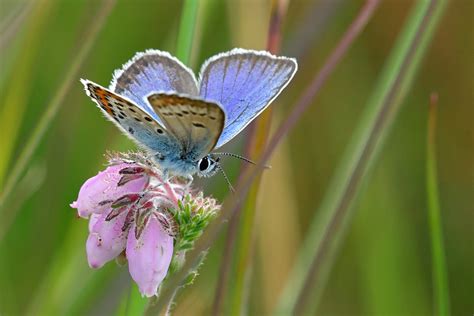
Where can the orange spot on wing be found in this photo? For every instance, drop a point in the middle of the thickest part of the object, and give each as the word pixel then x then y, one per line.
pixel 102 96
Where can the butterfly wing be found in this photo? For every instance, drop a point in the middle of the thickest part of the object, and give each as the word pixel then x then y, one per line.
pixel 149 72
pixel 131 119
pixel 197 124
pixel 244 82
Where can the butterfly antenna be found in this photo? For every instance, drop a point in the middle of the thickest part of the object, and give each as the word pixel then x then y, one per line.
pixel 241 158
pixel 231 188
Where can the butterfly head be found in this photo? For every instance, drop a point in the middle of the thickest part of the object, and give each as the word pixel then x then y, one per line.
pixel 208 166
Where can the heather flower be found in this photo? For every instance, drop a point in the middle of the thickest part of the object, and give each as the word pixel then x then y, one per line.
pixel 96 191
pixel 134 214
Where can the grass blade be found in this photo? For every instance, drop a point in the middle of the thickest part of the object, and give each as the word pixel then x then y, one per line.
pixel 312 268
pixel 240 234
pixel 249 175
pixel 45 120
pixel 186 30
pixel 440 277
pixel 13 23
pixel 16 89
pixel 183 52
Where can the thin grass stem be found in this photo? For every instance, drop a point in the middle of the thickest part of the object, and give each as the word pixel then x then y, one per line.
pixel 240 234
pixel 440 276
pixel 183 52
pixel 16 89
pixel 13 23
pixel 45 121
pixel 249 175
pixel 311 271
pixel 186 30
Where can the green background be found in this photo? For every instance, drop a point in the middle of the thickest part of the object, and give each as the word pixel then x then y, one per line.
pixel 384 265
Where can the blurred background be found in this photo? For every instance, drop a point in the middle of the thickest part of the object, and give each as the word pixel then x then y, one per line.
pixel 384 265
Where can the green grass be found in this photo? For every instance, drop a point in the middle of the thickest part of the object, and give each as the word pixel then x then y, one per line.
pixel 440 278
pixel 311 272
pixel 341 152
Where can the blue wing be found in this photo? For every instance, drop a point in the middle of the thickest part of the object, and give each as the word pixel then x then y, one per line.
pixel 150 72
pixel 133 121
pixel 244 82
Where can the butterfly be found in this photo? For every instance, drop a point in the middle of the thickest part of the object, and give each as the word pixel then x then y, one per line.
pixel 156 100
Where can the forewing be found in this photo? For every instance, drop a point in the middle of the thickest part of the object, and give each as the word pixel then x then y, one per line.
pixel 197 124
pixel 153 71
pixel 133 121
pixel 244 82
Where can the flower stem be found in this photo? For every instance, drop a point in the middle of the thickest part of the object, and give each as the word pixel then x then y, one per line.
pixel 440 278
pixel 170 192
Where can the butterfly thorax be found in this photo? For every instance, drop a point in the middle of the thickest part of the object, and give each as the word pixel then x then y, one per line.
pixel 179 165
pixel 188 165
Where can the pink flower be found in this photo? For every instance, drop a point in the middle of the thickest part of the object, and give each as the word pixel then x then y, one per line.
pixel 127 207
pixel 104 187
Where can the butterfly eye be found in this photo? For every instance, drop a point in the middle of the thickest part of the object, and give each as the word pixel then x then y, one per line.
pixel 203 164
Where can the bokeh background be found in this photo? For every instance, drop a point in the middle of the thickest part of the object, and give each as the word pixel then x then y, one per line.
pixel 384 264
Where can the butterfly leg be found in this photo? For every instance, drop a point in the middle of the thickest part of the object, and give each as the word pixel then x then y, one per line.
pixel 165 176
pixel 189 178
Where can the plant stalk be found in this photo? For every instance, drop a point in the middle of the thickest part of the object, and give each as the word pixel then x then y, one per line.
pixel 311 271
pixel 440 277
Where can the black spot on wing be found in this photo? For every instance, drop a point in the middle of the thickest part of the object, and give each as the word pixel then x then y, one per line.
pixel 199 125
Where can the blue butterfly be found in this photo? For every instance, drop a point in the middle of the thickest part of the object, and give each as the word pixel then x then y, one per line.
pixel 157 102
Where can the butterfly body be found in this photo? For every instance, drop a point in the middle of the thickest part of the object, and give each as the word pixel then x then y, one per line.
pixel 156 101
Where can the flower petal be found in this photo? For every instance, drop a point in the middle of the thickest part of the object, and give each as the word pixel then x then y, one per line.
pixel 106 239
pixel 103 187
pixel 93 220
pixel 149 257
